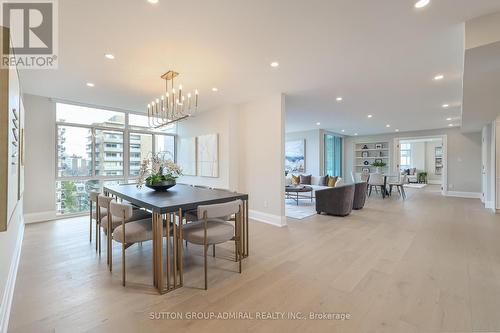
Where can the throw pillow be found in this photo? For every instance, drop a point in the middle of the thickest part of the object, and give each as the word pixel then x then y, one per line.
pixel 295 180
pixel 323 181
pixel 332 181
pixel 306 180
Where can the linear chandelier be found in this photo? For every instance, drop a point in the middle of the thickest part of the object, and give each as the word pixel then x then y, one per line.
pixel 172 106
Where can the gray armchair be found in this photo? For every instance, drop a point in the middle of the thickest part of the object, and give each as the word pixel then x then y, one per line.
pixel 336 200
pixel 359 195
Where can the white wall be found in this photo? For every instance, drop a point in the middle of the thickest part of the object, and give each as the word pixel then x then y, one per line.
pixel 312 153
pixel 418 155
pixel 262 156
pixel 10 251
pixel 464 155
pixel 39 194
pixel 220 121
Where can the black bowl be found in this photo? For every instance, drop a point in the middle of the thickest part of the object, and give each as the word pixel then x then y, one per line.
pixel 162 186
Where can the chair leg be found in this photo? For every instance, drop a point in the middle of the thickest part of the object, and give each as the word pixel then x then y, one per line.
pixel 403 193
pixel 96 233
pixel 110 256
pixel 205 264
pixel 382 190
pixel 213 250
pixel 370 193
pixel 123 264
pixel 100 238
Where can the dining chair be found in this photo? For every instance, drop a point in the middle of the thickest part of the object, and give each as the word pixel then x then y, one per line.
pixel 103 204
pixel 400 185
pixel 94 215
pixel 353 176
pixel 376 180
pixel 137 214
pixel 364 176
pixel 127 231
pixel 211 230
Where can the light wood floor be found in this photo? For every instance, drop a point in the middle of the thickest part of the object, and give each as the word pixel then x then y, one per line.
pixel 428 264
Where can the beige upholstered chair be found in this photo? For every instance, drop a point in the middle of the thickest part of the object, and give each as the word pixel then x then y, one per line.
pixel 400 185
pixel 103 204
pixel 377 180
pixel 128 232
pixel 210 230
pixel 94 215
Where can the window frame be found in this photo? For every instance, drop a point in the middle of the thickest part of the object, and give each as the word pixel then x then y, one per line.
pixel 408 156
pixel 125 131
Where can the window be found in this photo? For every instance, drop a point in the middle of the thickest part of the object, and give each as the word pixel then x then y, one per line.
pixel 95 148
pixel 140 146
pixel 74 155
pixel 405 149
pixel 333 155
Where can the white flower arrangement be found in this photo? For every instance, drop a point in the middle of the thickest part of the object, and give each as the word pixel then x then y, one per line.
pixel 156 169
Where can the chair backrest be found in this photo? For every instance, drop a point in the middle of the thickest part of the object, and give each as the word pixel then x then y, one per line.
pixel 93 195
pixel 364 176
pixel 353 176
pixel 219 210
pixel 120 210
pixel 103 201
pixel 403 178
pixel 376 179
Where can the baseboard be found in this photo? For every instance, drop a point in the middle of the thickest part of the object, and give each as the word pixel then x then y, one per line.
pixel 276 220
pixel 489 205
pixel 470 195
pixel 11 282
pixel 39 217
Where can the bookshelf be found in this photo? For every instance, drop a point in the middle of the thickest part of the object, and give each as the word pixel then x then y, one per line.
pixel 366 153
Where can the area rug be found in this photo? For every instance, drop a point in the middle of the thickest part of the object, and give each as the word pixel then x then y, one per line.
pixel 415 185
pixel 303 210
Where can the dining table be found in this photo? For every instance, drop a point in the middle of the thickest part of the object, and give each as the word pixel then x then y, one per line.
pixel 169 207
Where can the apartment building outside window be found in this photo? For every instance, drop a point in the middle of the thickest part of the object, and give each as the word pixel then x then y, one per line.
pixel 97 147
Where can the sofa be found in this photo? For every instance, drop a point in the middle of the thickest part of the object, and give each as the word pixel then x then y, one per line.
pixel 336 201
pixel 314 183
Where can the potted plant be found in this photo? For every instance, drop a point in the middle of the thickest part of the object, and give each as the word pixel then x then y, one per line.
pixel 158 173
pixel 422 177
pixel 378 164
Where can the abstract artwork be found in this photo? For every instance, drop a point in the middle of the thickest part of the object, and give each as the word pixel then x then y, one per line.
pixel 295 156
pixel 187 156
pixel 208 155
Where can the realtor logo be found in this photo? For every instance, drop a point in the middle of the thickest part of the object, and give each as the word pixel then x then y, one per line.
pixel 32 31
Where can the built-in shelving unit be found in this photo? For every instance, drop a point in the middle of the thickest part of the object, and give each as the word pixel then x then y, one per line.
pixel 438 160
pixel 366 153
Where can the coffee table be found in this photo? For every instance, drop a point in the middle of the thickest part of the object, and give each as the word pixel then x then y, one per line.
pixel 295 192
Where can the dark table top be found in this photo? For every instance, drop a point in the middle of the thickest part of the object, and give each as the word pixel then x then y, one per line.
pixel 180 196
pixel 298 188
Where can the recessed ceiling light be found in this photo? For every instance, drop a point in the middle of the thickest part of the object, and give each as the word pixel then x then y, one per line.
pixel 90 84
pixel 342 131
pixel 387 125
pixel 396 130
pixel 369 116
pixel 275 64
pixel 153 1
pixel 339 99
pixel 215 89
pixel 448 119
pixel 451 125
pixel 445 105
pixel 318 123
pixel 355 133
pixel 438 77
pixel 422 3
pixel 109 56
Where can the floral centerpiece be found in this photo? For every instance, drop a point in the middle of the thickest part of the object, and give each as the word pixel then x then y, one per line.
pixel 158 173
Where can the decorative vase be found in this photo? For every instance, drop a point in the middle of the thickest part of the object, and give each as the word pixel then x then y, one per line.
pixel 162 186
pixel 377 170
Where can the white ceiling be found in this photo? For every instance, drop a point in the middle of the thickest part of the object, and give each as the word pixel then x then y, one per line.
pixel 380 56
